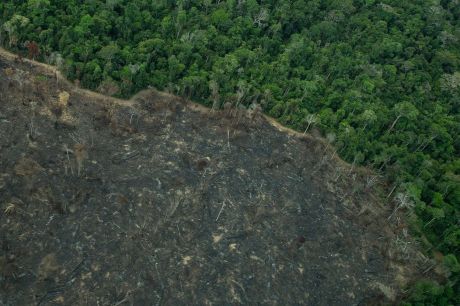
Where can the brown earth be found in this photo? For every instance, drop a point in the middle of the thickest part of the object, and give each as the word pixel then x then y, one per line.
pixel 159 201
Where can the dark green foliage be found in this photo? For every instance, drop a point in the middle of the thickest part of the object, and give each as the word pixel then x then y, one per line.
pixel 432 294
pixel 382 76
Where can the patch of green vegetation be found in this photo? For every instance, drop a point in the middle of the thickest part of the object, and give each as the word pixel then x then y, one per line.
pixel 381 76
pixel 41 77
pixel 431 294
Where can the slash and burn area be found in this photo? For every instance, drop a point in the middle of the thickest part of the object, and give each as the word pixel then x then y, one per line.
pixel 157 201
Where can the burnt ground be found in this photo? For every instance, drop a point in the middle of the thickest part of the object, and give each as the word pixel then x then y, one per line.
pixel 156 201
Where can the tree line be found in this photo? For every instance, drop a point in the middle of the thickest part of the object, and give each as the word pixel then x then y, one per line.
pixel 382 77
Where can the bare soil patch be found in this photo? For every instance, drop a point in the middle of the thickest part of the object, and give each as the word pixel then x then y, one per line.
pixel 156 201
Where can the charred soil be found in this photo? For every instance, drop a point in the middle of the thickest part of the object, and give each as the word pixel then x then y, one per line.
pixel 158 201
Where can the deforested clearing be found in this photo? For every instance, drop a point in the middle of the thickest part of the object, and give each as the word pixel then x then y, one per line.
pixel 158 201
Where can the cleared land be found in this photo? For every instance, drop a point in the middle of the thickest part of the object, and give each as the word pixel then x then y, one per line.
pixel 158 201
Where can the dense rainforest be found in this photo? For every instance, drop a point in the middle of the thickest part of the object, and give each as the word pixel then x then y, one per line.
pixel 380 78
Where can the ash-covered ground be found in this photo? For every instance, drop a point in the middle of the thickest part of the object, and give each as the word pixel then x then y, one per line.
pixel 155 201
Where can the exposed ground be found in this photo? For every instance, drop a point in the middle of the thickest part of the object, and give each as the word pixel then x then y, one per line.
pixel 158 201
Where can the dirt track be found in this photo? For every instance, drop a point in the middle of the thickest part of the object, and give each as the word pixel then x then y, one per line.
pixel 52 71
